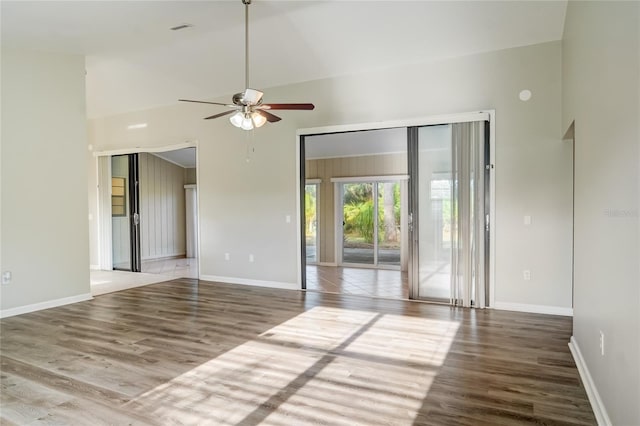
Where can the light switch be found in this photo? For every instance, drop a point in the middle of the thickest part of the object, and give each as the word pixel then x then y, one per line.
pixel 527 220
pixel 287 218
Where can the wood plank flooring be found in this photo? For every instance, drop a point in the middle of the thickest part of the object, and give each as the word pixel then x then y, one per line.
pixel 195 353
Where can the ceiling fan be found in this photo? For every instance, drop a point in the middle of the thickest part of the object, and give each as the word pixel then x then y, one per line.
pixel 247 108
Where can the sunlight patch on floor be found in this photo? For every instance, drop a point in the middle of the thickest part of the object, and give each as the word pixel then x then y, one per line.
pixel 346 367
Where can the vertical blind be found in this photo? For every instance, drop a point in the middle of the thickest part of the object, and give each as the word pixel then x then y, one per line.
pixel 468 286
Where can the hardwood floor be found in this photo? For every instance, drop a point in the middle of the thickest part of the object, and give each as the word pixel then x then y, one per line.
pixel 189 352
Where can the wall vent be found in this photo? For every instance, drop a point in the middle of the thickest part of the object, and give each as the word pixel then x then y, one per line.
pixel 181 27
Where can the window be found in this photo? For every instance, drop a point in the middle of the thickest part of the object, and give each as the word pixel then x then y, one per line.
pixel 118 196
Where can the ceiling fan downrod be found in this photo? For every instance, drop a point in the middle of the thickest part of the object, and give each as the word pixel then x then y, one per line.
pixel 246 42
pixel 248 109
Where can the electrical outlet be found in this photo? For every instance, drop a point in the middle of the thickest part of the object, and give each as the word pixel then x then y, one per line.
pixel 287 218
pixel 526 274
pixel 226 256
pixel 601 343
pixel 6 277
pixel 251 258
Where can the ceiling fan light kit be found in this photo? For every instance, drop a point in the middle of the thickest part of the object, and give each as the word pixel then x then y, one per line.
pixel 249 110
pixel 247 120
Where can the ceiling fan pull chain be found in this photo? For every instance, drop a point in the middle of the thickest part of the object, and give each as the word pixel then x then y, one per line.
pixel 250 146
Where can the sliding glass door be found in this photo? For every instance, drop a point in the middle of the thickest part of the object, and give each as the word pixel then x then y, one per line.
pixel 359 223
pixel 125 213
pixel 389 223
pixel 435 211
pixel 449 204
pixel 371 223
pixel 311 213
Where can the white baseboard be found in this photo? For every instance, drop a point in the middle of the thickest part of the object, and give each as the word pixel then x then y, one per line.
pixel 44 305
pixel 94 267
pixel 324 264
pixel 247 281
pixel 534 309
pixel 597 405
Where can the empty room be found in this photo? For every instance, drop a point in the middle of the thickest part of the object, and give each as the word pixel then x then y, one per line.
pixel 320 212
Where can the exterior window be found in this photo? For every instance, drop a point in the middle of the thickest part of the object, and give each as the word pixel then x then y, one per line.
pixel 118 197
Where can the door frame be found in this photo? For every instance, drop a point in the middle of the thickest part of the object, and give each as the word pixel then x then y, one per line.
pixel 105 234
pixel 134 210
pixel 488 115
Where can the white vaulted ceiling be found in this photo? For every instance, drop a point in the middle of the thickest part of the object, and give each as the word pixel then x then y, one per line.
pixel 134 61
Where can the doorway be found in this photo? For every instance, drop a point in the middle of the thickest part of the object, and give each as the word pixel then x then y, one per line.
pixel 148 204
pixel 168 213
pixel 449 211
pixel 355 213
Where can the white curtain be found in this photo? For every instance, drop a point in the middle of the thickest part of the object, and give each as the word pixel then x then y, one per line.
pixel 468 286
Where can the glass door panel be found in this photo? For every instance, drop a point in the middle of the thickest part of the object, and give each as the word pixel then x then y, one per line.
pixel 436 211
pixel 125 213
pixel 120 218
pixel 359 223
pixel 311 222
pixel 389 223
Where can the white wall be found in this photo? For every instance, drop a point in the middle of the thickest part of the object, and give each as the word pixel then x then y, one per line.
pixel 243 204
pixel 601 93
pixel 44 206
pixel 162 208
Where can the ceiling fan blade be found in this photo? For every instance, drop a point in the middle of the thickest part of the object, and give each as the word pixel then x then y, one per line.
pixel 271 118
pixel 289 106
pixel 222 114
pixel 252 96
pixel 204 102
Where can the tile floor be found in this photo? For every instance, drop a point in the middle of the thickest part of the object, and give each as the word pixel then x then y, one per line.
pixel 103 282
pixel 385 283
pixel 153 271
pixel 175 268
